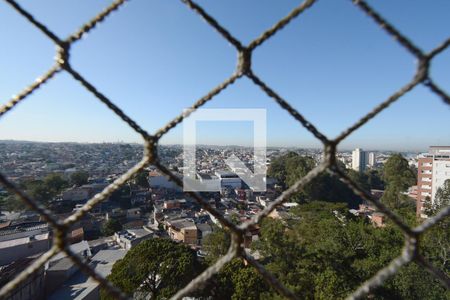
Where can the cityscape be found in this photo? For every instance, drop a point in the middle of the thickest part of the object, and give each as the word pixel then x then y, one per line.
pixel 65 176
pixel 230 150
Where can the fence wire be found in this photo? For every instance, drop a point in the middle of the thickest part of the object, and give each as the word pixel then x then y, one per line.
pixel 410 251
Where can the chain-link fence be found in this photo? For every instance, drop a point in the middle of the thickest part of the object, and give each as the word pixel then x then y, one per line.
pixel 244 68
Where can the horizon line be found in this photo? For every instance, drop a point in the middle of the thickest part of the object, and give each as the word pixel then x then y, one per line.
pixel 215 145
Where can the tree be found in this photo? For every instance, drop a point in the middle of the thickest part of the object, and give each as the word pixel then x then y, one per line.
pixel 12 203
pixel 111 226
pixel 237 281
pixel 398 177
pixel 442 197
pixel 2 201
pixel 326 187
pixel 158 266
pixel 326 253
pixel 289 168
pixel 361 179
pixel 436 241
pixel 79 178
pixel 41 192
pixel 44 190
pixel 374 179
pixel 396 171
pixel 55 183
pixel 216 244
pixel 413 282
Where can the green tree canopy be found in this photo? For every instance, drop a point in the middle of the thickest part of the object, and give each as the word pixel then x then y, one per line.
pixel 235 281
pixel 442 197
pixel 374 179
pixel 79 178
pixel 12 203
pixel 327 253
pixel 158 266
pixel 216 244
pixel 42 191
pixel 55 183
pixel 289 168
pixel 398 177
pixel 111 226
pixel 396 171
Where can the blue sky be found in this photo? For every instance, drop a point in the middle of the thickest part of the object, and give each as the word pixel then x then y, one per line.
pixel 155 58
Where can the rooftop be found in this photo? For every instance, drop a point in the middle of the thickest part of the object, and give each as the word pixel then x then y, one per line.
pixel 131 234
pixel 226 174
pixel 80 286
pixel 182 224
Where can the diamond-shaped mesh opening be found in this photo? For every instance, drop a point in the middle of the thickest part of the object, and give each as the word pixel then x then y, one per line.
pixel 244 68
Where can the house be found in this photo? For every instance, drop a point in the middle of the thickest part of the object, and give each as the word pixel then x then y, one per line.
pixel 58 273
pixel 30 289
pixel 131 237
pixel 82 287
pixel 183 230
pixel 76 235
pixel 76 195
pixel 84 192
pixel 378 219
pixel 23 240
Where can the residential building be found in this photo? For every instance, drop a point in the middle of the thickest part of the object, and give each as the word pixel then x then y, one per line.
pixel 84 192
pixel 31 288
pixel 131 237
pixel 359 160
pixel 82 287
pixel 372 159
pixel 183 230
pixel 432 171
pixel 23 240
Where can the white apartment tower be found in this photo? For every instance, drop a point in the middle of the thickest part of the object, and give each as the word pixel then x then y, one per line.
pixel 359 160
pixel 372 159
pixel 433 170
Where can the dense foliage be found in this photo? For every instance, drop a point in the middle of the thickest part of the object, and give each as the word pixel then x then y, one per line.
pixel 326 253
pixel 42 191
pixel 289 168
pixel 442 198
pixel 158 267
pixel 398 177
pixel 216 244
pixel 110 227
pixel 79 178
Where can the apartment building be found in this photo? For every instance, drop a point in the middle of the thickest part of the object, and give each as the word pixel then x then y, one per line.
pixel 372 159
pixel 359 160
pixel 433 169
